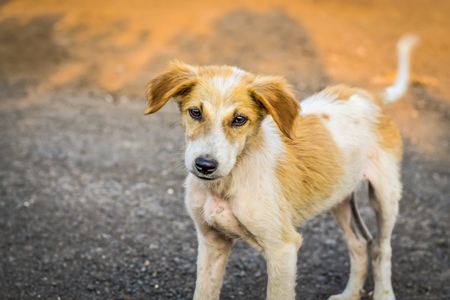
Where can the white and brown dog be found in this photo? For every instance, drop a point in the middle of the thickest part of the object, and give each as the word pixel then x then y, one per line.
pixel 262 164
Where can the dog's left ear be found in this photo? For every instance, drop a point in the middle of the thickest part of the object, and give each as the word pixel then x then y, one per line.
pixel 274 94
pixel 178 80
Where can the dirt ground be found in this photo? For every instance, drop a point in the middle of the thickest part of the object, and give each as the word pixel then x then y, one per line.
pixel 91 191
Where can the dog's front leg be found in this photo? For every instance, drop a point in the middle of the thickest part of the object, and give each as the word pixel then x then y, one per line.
pixel 213 252
pixel 213 246
pixel 282 268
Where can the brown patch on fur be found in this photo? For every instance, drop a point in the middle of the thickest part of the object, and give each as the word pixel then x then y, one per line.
pixel 243 105
pixel 273 93
pixel 195 128
pixel 377 100
pixel 248 130
pixel 344 92
pixel 389 136
pixel 388 133
pixel 325 116
pixel 213 71
pixel 177 81
pixel 311 168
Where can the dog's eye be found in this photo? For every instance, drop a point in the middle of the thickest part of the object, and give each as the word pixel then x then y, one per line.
pixel 239 120
pixel 195 113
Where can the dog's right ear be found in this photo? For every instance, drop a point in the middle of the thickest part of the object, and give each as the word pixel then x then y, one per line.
pixel 178 80
pixel 274 95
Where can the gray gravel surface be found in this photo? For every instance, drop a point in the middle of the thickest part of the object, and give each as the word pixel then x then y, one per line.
pixel 92 208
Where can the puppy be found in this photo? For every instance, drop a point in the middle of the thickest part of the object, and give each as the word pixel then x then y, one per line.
pixel 262 164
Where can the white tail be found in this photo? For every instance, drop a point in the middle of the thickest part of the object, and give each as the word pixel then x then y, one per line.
pixel 398 89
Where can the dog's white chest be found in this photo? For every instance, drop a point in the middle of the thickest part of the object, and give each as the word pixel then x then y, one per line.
pixel 218 214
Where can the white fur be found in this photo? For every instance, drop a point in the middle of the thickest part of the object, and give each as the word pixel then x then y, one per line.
pixel 398 89
pixel 263 159
pixel 226 84
pixel 350 120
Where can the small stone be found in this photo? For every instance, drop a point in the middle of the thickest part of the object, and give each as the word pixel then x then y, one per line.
pixel 109 98
pixel 153 246
pixel 123 99
pixel 170 191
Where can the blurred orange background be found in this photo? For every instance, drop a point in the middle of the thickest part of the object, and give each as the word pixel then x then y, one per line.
pixel 114 43
pixel 115 47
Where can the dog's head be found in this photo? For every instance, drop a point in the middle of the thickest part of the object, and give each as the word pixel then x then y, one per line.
pixel 221 109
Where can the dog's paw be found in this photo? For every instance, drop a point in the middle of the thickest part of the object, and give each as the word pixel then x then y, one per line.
pixel 383 295
pixel 338 297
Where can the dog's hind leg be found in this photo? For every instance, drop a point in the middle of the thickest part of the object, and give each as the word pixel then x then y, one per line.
pixel 385 204
pixel 384 194
pixel 357 247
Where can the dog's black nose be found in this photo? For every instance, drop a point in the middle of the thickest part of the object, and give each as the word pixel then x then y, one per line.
pixel 205 166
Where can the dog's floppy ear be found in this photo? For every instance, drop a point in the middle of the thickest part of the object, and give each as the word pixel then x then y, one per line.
pixel 178 80
pixel 273 93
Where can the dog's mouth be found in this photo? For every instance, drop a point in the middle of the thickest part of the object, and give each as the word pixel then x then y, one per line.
pixel 202 177
pixel 206 178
